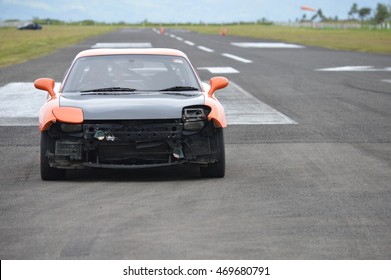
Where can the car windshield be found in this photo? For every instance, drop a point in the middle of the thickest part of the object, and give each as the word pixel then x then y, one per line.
pixel 130 73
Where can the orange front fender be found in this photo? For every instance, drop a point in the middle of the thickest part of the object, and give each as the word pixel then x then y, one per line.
pixel 46 116
pixel 51 112
pixel 217 114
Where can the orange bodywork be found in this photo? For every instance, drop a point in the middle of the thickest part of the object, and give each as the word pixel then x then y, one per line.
pixel 46 117
pixel 51 112
pixel 69 114
pixel 217 114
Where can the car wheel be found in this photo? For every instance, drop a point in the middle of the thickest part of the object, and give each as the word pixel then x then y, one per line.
pixel 49 173
pixel 216 169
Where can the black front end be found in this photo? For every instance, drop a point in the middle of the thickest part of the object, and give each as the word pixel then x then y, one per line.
pixel 134 143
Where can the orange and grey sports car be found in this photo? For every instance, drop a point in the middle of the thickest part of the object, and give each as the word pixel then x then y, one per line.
pixel 131 108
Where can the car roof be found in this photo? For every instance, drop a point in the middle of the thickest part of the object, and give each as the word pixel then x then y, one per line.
pixel 145 51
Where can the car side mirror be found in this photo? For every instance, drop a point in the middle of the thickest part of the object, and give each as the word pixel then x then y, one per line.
pixel 46 84
pixel 217 83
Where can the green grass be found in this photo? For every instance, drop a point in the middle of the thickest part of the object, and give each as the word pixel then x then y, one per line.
pixel 374 41
pixel 17 46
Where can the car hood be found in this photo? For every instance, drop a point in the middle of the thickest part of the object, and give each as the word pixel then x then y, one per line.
pixel 135 106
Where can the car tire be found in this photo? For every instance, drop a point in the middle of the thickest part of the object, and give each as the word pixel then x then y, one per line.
pixel 216 169
pixel 49 173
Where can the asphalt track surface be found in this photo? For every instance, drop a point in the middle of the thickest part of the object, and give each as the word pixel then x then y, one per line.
pixel 316 189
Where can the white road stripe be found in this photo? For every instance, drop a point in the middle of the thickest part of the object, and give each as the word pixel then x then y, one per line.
pixel 386 81
pixel 219 70
pixel 122 45
pixel 237 58
pixel 189 43
pixel 241 107
pixel 179 38
pixel 21 103
pixel 205 49
pixel 172 36
pixel 266 45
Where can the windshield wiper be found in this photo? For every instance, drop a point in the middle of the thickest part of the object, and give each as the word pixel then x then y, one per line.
pixel 111 89
pixel 180 94
pixel 180 88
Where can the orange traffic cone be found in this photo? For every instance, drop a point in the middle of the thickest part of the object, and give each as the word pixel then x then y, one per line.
pixel 223 31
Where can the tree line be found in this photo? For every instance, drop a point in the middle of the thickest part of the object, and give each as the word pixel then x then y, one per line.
pixel 381 14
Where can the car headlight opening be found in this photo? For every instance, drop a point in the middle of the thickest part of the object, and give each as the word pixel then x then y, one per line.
pixel 194 118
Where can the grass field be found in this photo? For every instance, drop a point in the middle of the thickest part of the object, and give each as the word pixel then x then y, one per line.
pixel 375 41
pixel 17 46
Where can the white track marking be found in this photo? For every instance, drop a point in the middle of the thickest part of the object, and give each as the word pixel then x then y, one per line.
pixel 20 104
pixel 266 45
pixel 205 49
pixel 179 38
pixel 386 81
pixel 172 36
pixel 241 107
pixel 237 58
pixel 219 70
pixel 355 69
pixel 122 45
pixel 189 43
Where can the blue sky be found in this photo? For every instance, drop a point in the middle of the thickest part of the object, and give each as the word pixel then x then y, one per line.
pixel 134 11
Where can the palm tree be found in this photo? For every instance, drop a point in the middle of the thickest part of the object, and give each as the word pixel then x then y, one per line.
pixel 353 10
pixel 364 12
pixel 382 13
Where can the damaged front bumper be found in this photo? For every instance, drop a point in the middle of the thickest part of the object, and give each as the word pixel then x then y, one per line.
pixel 131 144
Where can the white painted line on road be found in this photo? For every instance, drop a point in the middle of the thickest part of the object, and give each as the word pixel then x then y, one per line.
pixel 237 58
pixel 172 36
pixel 179 38
pixel 189 43
pixel 219 70
pixel 20 103
pixel 266 45
pixel 386 81
pixel 121 45
pixel 355 69
pixel 241 108
pixel 205 49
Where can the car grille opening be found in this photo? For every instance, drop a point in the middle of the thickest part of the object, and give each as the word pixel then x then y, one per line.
pixel 132 142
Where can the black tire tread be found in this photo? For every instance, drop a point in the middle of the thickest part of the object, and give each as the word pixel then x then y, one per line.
pixel 48 173
pixel 217 169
